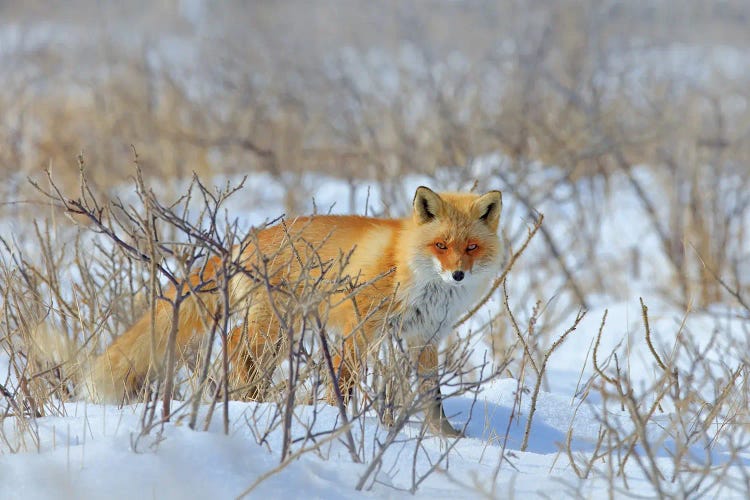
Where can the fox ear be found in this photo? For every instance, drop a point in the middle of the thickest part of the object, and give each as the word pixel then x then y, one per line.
pixel 428 205
pixel 487 208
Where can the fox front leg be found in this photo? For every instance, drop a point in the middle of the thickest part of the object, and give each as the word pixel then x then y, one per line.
pixel 429 387
pixel 435 414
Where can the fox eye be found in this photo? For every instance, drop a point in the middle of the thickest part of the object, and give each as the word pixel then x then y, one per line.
pixel 472 246
pixel 440 245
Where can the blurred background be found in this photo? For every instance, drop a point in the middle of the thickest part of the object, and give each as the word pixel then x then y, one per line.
pixel 625 123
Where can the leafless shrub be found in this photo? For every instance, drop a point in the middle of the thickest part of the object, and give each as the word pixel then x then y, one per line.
pixel 675 431
pixel 186 253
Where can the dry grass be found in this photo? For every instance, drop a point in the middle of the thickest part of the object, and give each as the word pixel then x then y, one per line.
pixel 569 95
pixel 139 246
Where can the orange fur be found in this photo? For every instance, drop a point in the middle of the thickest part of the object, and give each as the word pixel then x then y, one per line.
pixel 447 233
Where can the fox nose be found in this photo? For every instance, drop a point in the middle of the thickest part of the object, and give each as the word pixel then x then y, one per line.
pixel 458 275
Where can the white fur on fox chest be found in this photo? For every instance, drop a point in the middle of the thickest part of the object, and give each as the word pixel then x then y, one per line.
pixel 431 308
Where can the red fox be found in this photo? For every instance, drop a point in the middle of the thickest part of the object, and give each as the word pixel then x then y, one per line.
pixel 428 269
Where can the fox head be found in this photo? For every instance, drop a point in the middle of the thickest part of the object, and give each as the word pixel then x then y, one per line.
pixel 456 233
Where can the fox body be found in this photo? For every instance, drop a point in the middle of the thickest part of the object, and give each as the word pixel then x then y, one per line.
pixel 417 275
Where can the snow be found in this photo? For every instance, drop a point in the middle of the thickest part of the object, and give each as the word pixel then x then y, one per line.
pixel 95 451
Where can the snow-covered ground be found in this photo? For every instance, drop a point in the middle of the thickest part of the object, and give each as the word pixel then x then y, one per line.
pixel 91 454
pixel 95 451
